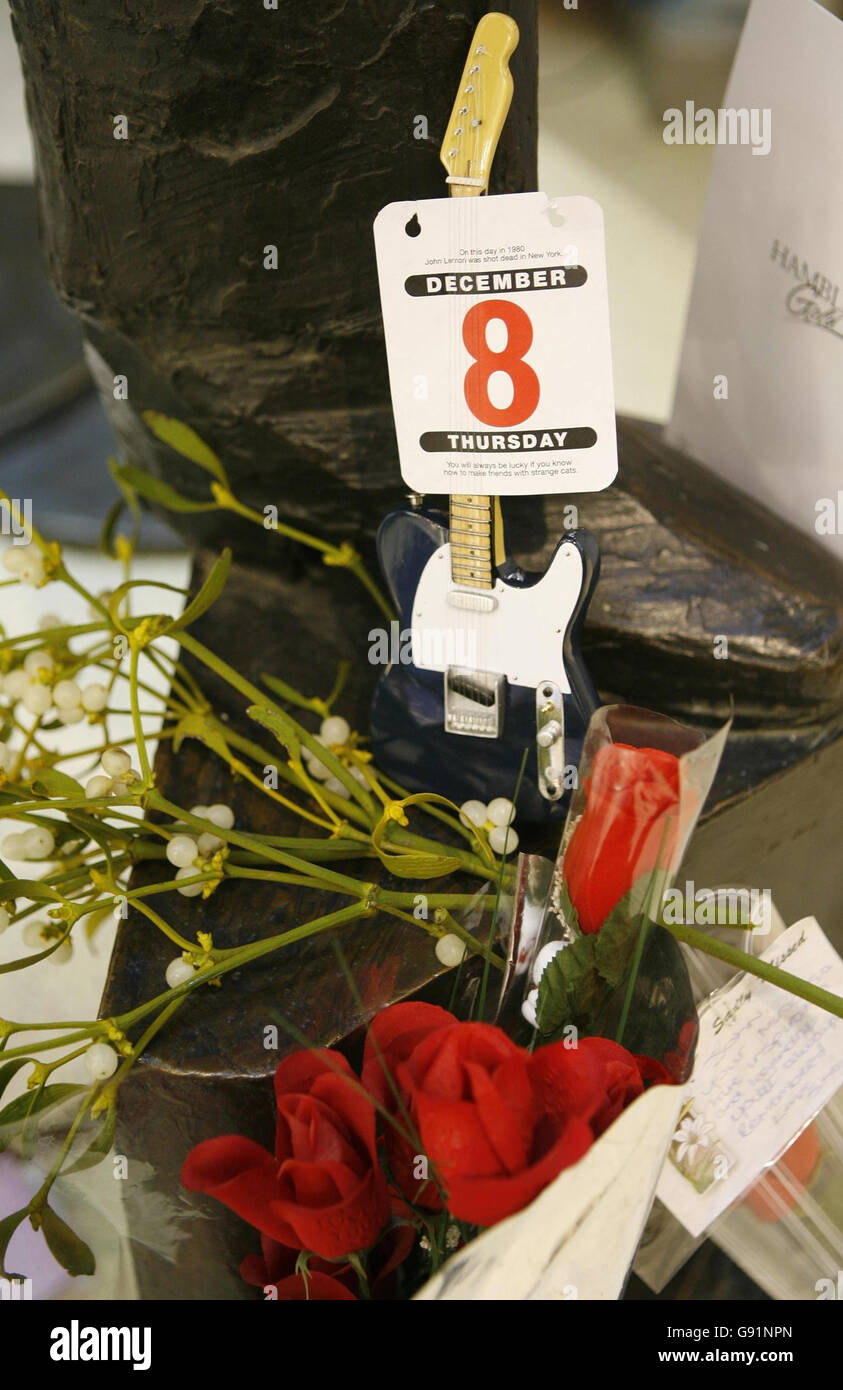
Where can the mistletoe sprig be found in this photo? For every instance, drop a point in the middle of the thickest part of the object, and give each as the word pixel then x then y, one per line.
pixel 84 818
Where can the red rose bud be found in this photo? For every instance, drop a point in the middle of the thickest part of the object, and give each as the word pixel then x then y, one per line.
pixel 630 826
pixel 323 1189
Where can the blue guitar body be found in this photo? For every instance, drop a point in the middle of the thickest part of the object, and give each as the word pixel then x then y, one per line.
pixel 408 714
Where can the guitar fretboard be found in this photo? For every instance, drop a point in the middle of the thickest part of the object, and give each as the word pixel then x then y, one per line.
pixel 475 539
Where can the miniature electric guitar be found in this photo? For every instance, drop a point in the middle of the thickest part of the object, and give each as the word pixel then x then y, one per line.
pixel 494 649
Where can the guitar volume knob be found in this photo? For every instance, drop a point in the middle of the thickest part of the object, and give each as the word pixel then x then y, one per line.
pixel 549 734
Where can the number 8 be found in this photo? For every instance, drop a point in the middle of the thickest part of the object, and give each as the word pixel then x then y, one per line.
pixel 519 338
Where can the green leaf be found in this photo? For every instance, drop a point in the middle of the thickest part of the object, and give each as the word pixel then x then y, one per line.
pixel 9 1069
pixel 65 1246
pixel 289 733
pixel 127 491
pixel 54 783
pixel 186 442
pixel 288 693
pixel 570 987
pixel 117 595
pixel 32 888
pixel 154 490
pixel 37 1102
pixel 8 1226
pixel 201 727
pixel 617 937
pixel 208 594
pixel 99 1147
pixel 577 984
pixel 109 526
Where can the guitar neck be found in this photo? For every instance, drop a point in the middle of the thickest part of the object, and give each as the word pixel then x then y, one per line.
pixel 476 527
pixel 477 118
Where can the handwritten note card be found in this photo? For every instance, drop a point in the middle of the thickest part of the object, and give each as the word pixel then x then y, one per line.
pixel 766 1063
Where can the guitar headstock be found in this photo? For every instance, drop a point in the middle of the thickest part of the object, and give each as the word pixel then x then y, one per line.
pixel 481 105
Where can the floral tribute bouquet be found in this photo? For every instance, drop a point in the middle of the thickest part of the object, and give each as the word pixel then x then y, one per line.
pixel 451 1127
pixel 472 1152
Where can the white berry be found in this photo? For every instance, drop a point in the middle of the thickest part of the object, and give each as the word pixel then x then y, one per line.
pixel 94 697
pixel 315 767
pixel 221 815
pixel 62 954
pixel 116 762
pixel 16 684
pixel 100 1061
pixel 15 558
pixel 178 972
pixel 12 847
pixel 208 844
pixel 71 716
pixel 450 950
pixel 32 571
pixel 182 850
pixel 37 698
pixel 501 811
pixel 32 936
pixel 201 812
pixel 97 787
pixel 473 813
pixel 333 784
pixel 66 695
pixel 36 662
pixel 503 839
pixel 38 842
pixel 335 730
pixel 192 890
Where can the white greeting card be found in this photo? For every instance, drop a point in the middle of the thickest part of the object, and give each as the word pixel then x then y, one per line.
pixel 760 389
pixel 766 1062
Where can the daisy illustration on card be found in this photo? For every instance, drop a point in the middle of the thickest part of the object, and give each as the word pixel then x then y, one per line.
pixel 696 1150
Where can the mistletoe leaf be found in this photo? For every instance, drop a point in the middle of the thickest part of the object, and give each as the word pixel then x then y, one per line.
pixel 20 1110
pixel 186 442
pixel 8 1226
pixel 154 490
pixel 208 594
pixel 65 1245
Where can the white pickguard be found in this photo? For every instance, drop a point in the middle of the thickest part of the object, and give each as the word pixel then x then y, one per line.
pixel 520 638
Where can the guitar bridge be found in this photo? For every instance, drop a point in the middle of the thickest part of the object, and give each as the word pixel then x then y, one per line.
pixel 473 702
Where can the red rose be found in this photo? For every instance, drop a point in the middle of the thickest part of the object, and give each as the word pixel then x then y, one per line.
pixel 629 827
pixel 317 1288
pixel 323 1189
pixel 495 1124
pixel 276 1264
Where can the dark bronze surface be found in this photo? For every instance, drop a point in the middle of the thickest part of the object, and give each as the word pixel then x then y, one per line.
pixel 249 128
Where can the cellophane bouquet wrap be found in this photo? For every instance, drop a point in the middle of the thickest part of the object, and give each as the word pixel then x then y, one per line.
pixel 601 963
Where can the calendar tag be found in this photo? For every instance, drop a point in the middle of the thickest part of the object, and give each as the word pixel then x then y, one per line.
pixel 497 332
